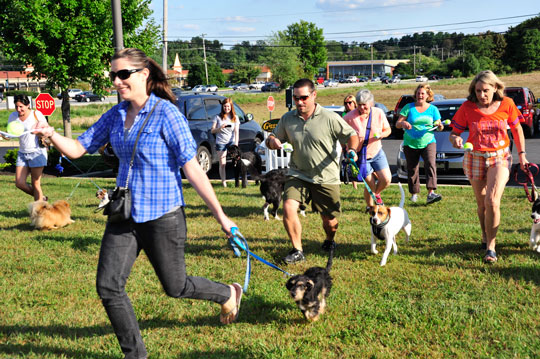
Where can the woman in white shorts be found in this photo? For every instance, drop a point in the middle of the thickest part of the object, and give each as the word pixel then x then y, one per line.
pixel 31 158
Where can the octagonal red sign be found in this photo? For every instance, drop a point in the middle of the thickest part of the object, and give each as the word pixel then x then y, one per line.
pixel 45 104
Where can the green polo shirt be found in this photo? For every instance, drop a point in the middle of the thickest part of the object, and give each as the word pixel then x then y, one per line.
pixel 315 156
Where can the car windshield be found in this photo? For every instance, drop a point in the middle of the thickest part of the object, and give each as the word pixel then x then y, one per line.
pixel 447 113
pixel 517 96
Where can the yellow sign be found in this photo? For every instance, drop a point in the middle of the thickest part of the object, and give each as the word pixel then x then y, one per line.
pixel 269 125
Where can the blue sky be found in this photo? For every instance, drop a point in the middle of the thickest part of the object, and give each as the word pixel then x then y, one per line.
pixel 342 20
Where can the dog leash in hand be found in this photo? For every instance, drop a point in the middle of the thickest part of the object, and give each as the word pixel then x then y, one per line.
pixel 356 172
pixel 238 240
pixel 528 179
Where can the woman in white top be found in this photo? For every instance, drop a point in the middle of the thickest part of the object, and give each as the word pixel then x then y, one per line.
pixel 31 158
pixel 226 126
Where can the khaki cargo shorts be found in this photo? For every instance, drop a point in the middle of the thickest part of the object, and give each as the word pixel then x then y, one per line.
pixel 325 198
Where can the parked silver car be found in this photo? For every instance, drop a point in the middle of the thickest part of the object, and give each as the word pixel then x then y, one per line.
pixel 449 159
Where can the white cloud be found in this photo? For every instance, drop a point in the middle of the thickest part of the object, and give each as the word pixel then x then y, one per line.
pixel 241 19
pixel 242 30
pixel 339 5
pixel 191 27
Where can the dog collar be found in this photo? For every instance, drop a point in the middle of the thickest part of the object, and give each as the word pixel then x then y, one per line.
pixel 377 228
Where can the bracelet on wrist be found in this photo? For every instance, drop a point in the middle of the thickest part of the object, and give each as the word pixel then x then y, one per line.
pixel 520 152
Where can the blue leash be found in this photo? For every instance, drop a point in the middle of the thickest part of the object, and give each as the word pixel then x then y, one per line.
pixel 238 240
pixel 350 156
pixel 60 169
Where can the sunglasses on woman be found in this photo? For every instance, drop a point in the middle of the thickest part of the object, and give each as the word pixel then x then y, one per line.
pixel 123 74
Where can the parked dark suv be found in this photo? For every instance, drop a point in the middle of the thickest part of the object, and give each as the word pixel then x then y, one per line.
pixel 200 110
pixel 526 102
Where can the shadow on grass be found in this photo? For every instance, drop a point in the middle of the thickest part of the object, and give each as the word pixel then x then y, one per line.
pixel 14 213
pixel 53 331
pixel 255 309
pixel 468 254
pixel 79 242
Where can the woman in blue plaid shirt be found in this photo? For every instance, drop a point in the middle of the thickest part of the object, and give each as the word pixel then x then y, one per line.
pixel 157 224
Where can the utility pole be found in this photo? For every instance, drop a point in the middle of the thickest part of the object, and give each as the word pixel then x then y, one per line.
pixel 371 45
pixel 204 53
pixel 165 20
pixel 118 39
pixel 414 59
pixel 117 25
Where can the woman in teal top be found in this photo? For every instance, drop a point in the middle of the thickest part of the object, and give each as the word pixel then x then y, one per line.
pixel 418 120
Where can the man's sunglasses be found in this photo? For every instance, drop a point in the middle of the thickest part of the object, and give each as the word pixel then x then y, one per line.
pixel 303 98
pixel 123 74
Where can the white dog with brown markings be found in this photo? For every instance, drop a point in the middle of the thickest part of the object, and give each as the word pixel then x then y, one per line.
pixel 386 222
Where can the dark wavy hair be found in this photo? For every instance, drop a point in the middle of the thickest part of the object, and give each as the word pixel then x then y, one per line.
pixel 157 81
pixel 22 99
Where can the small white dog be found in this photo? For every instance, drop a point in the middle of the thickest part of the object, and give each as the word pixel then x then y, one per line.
pixel 386 222
pixel 534 242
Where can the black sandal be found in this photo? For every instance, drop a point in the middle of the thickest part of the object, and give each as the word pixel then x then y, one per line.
pixel 490 257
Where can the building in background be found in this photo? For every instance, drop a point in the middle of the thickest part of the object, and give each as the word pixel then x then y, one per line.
pixel 340 69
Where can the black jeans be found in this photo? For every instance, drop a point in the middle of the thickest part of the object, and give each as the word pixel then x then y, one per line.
pixel 412 155
pixel 163 241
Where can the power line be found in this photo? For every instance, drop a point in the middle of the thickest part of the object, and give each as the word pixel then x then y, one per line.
pixel 380 30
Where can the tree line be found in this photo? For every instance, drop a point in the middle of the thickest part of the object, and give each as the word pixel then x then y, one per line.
pixel 301 51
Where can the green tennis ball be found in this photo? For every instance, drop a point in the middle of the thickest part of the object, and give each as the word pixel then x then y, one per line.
pixel 287 147
pixel 376 135
pixel 15 128
pixel 468 146
pixel 446 122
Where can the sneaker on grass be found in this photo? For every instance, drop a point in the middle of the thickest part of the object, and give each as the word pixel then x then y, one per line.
pixel 433 197
pixel 294 256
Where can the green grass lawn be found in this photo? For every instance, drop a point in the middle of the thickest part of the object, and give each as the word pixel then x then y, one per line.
pixel 435 299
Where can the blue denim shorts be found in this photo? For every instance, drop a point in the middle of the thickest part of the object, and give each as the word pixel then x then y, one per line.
pixel 32 159
pixel 377 163
pixel 223 147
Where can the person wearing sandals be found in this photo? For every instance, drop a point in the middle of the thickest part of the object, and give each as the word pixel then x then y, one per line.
pixel 148 118
pixel 418 119
pixel 487 113
pixel 31 157
pixel 371 120
pixel 226 126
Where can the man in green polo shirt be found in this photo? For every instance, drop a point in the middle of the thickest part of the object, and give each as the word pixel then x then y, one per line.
pixel 313 132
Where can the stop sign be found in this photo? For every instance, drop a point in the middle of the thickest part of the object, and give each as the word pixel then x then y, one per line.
pixel 45 104
pixel 270 103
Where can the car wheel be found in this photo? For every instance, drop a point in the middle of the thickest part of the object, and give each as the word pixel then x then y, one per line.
pixel 204 157
pixel 87 99
pixel 102 99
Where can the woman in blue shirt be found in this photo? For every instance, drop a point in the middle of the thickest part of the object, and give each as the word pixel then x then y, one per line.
pixel 157 224
pixel 418 119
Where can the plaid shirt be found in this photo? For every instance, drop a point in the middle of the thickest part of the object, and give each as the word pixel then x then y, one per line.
pixel 164 146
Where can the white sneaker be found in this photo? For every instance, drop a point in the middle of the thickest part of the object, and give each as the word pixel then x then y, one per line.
pixel 414 198
pixel 224 183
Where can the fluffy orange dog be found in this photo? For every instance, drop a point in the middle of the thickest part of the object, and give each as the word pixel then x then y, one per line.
pixel 47 216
